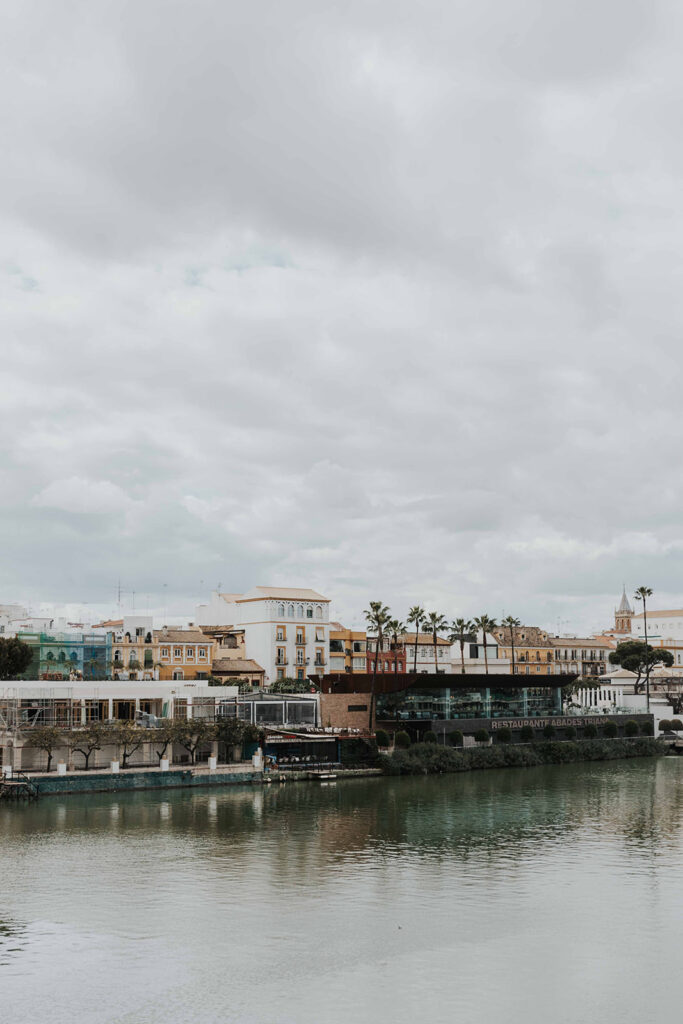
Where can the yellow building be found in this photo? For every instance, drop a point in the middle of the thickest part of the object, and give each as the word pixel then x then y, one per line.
pixel 348 648
pixel 184 653
pixel 534 651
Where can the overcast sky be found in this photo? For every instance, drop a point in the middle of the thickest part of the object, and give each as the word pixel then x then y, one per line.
pixel 382 298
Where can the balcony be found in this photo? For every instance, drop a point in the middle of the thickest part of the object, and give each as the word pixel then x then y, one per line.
pixel 281 661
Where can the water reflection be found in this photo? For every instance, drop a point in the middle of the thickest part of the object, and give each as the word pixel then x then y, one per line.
pixel 396 894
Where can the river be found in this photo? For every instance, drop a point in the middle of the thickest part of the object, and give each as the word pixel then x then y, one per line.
pixel 547 894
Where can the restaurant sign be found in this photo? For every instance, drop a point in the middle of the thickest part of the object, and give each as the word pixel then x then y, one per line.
pixel 539 723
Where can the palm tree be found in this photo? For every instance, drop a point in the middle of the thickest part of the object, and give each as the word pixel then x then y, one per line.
pixel 377 617
pixel 486 625
pixel 511 623
pixel 395 628
pixel 434 622
pixel 642 594
pixel 461 630
pixel 416 616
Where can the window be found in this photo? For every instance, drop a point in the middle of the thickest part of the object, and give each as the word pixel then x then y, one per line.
pixel 164 652
pixel 299 611
pixel 190 653
pixel 319 634
pixel 117 655
pixel 177 652
pixel 300 636
pixel 178 673
pixel 318 613
pixel 309 613
pixel 299 657
pixel 290 611
pixel 357 707
pixel 202 652
pixel 281 633
pixel 281 656
pixel 281 610
pixel 299 673
pixel 281 673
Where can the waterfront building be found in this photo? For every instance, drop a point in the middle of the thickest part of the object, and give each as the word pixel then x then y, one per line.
pixel 391 657
pixel 230 662
pixel 419 703
pixel 348 648
pixel 533 650
pixel 428 662
pixel 582 656
pixel 183 653
pixel 67 655
pixel 134 650
pixel 73 704
pixel 478 662
pixel 286 629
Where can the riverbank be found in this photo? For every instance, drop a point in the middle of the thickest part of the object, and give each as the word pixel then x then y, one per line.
pixel 102 781
pixel 430 759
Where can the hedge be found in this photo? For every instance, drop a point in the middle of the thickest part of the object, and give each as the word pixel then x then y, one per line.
pixel 430 759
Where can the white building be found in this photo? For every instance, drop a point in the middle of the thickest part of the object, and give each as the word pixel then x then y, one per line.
pixel 286 629
pixel 428 661
pixel 475 662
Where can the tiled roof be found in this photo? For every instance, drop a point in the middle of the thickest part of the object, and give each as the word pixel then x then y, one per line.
pixel 525 636
pixel 236 665
pixel 422 638
pixel 284 593
pixel 181 636
pixel 652 614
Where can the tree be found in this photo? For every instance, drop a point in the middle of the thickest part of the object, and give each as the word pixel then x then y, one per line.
pixel 377 617
pixel 638 657
pixel 382 738
pixel 289 685
pixel 461 632
pixel 430 737
pixel 395 628
pixel 664 725
pixel 192 732
pixel 631 728
pixel 526 734
pixel 609 730
pixel 481 736
pixel 128 737
pixel 642 594
pixel 45 737
pixel 15 657
pixel 549 731
pixel 165 735
pixel 416 617
pixel 434 623
pixel 86 741
pixel 504 735
pixel 511 624
pixel 455 738
pixel 402 740
pixel 486 625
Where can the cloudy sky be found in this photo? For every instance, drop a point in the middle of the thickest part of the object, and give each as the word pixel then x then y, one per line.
pixel 382 298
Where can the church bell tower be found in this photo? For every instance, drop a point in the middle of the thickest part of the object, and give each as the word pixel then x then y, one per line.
pixel 623 616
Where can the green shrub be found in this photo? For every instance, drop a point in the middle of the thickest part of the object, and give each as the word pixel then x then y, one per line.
pixel 570 732
pixel 647 729
pixel 589 731
pixel 548 731
pixel 503 735
pixel 455 738
pixel 402 740
pixel 526 734
pixel 382 738
pixel 665 725
pixel 631 728
pixel 609 730
pixel 429 737
pixel 481 736
pixel 676 724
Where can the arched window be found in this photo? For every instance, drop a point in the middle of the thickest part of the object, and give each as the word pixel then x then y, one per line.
pixel 300 611
pixel 74 656
pixel 318 612
pixel 290 611
pixel 62 656
pixel 50 656
pixel 117 655
pixel 281 610
pixel 178 674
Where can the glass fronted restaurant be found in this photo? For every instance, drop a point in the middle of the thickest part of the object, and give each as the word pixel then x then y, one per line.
pixel 447 702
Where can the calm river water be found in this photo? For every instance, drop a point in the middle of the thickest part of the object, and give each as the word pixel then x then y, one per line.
pixel 549 894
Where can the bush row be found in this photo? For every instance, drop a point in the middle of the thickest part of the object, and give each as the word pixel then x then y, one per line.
pixel 430 759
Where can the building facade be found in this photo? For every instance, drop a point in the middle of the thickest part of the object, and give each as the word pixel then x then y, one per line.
pixel 62 656
pixel 584 657
pixel 533 650
pixel 286 629
pixel 348 648
pixel 430 659
pixel 183 653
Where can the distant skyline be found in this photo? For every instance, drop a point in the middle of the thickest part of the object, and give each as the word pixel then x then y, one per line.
pixel 378 299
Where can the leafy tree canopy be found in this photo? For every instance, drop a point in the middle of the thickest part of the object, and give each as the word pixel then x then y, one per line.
pixel 636 656
pixel 15 657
